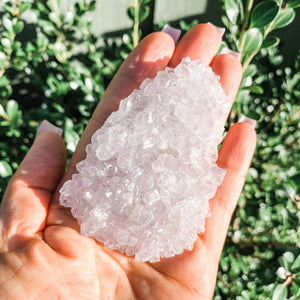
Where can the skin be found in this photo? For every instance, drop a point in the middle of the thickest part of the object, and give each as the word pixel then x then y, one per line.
pixel 42 253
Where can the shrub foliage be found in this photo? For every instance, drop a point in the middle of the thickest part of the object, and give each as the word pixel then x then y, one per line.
pixel 53 67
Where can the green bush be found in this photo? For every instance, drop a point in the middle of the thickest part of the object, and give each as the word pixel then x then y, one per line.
pixel 53 68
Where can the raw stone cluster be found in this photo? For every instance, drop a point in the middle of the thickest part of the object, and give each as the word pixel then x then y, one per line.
pixel 150 170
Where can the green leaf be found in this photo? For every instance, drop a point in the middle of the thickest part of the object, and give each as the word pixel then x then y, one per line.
pixel 5 169
pixel 18 27
pixel 12 108
pixel 284 18
pixel 264 13
pixel 289 256
pixel 232 10
pixel 250 71
pixel 256 89
pixel 24 6
pixel 286 260
pixel 2 111
pixel 42 8
pixel 7 23
pixel 143 13
pixel 294 3
pixel 281 273
pixel 6 43
pixel 270 42
pixel 280 292
pixel 71 138
pixel 131 12
pixel 253 41
pixel 253 115
pixel 42 41
pixel 4 81
pixel 92 5
pixel 54 17
pixel 296 265
pixel 290 189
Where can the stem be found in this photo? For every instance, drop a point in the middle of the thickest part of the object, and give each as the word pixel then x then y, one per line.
pixel 270 26
pixel 136 23
pixel 249 59
pixel 245 24
pixel 268 29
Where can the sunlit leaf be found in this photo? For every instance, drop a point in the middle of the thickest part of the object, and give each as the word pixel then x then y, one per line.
pixel 284 18
pixel 5 169
pixel 256 89
pixel 7 23
pixel 18 27
pixel 12 108
pixel 264 13
pixel 280 292
pixel 253 40
pixel 296 265
pixel 232 10
pixel 250 71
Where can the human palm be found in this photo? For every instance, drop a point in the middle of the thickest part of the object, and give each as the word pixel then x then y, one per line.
pixel 42 253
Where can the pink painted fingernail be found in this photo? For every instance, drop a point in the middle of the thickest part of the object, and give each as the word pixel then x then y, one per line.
pixel 47 126
pixel 220 29
pixel 236 55
pixel 251 122
pixel 173 32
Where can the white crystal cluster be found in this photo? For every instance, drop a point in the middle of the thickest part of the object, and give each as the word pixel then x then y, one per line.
pixel 150 170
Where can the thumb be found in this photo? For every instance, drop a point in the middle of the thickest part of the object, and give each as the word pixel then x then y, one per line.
pixel 24 207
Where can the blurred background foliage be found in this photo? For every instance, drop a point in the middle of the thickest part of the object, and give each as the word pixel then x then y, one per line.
pixel 54 67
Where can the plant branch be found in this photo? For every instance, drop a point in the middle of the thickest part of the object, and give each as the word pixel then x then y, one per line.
pixel 249 59
pixel 136 23
pixel 245 24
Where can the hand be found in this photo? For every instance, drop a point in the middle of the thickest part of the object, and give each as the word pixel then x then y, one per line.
pixel 42 253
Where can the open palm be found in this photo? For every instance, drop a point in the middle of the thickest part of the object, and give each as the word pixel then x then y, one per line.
pixel 42 253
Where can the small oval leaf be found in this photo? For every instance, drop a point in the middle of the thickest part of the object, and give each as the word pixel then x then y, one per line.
pixel 280 292
pixel 264 13
pixel 289 256
pixel 144 13
pixel 7 23
pixel 18 27
pixel 5 169
pixel 271 42
pixel 12 108
pixel 253 40
pixel 294 3
pixel 250 71
pixel 284 18
pixel 256 89
pixel 131 12
pixel 296 265
pixel 232 10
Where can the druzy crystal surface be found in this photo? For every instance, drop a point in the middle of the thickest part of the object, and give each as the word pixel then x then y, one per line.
pixel 150 170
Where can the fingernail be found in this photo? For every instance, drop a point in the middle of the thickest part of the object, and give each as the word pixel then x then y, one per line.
pixel 220 29
pixel 47 126
pixel 173 32
pixel 236 55
pixel 251 122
